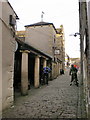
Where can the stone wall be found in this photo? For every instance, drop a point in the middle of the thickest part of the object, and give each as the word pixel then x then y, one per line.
pixel 85 33
pixel 0 60
pixel 88 17
pixel 8 49
pixel 41 37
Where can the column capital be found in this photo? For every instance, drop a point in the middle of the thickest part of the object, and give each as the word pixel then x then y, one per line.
pixel 25 51
pixel 45 58
pixel 38 56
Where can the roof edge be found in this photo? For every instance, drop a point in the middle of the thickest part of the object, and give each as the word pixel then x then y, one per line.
pixel 13 10
pixel 41 25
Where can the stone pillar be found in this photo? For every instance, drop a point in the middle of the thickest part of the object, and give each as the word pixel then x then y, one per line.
pixel 52 72
pixel 59 69
pixel 36 72
pixel 55 70
pixel 24 73
pixel 44 63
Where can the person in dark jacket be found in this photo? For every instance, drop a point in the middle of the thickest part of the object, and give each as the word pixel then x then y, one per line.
pixel 73 73
pixel 46 71
pixel 61 71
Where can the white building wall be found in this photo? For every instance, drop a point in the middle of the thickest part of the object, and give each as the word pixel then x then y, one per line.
pixel 8 47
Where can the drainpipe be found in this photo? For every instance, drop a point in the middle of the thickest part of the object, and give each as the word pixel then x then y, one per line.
pixel 81 56
pixel 81 41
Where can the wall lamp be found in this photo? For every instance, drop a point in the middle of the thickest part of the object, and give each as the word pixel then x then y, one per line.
pixel 75 34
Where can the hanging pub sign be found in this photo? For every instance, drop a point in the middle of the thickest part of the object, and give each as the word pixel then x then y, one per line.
pixel 57 52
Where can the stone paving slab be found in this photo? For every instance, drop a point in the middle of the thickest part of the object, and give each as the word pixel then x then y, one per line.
pixel 57 100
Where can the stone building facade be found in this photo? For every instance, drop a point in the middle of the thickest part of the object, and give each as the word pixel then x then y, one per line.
pixel 42 36
pixel 67 60
pixel 40 44
pixel 61 45
pixel 84 17
pixel 21 35
pixel 7 47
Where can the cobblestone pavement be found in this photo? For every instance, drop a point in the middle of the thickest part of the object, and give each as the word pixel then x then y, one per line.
pixel 57 100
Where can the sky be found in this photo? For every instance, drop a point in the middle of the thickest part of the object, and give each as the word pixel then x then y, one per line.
pixel 58 12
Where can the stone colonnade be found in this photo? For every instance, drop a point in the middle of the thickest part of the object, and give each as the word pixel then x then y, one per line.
pixel 24 71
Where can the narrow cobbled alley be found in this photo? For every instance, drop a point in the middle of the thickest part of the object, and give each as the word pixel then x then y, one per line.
pixel 57 100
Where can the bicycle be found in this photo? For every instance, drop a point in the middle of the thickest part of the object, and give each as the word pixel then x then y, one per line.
pixel 74 79
pixel 44 79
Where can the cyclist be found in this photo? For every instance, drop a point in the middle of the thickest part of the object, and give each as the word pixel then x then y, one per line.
pixel 73 73
pixel 46 71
